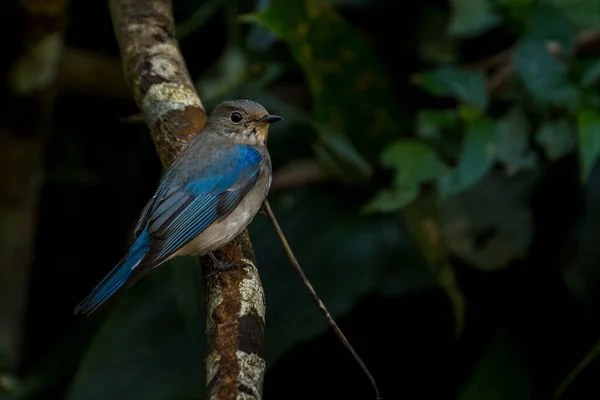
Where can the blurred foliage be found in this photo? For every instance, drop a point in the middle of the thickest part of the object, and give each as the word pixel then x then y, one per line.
pixel 459 142
pixel 344 76
pixel 164 363
pixel 500 374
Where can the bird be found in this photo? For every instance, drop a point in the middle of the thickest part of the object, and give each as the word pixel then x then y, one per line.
pixel 208 196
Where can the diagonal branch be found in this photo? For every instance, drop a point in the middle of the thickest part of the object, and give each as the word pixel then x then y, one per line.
pixel 163 90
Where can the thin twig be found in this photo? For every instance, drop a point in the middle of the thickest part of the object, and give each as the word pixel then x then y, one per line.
pixel 493 61
pixel 298 173
pixel 316 298
pixel 132 119
pixel 581 366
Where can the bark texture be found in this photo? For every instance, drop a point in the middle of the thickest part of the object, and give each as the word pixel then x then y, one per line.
pixel 163 90
pixel 28 68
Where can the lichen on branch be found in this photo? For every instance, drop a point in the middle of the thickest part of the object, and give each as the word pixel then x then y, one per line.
pixel 155 69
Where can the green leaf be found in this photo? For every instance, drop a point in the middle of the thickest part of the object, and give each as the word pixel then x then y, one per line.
pixel 435 45
pixel 500 374
pixel 431 123
pixel 347 80
pixel 557 137
pixel 515 10
pixel 328 162
pixel 391 199
pixel 588 122
pixel 541 74
pixel 145 347
pixel 591 75
pixel 472 18
pixel 260 38
pixel 227 73
pixel 476 159
pixel 415 162
pixel 551 24
pixel 513 148
pixel 198 18
pixel 340 157
pixel 468 87
pixel 345 255
pixel 585 14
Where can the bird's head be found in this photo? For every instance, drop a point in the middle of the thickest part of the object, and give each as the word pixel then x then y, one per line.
pixel 245 121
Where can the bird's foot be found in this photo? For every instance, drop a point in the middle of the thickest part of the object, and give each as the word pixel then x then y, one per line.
pixel 220 267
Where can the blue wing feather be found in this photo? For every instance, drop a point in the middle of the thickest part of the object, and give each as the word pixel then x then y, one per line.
pixel 181 212
pixel 117 277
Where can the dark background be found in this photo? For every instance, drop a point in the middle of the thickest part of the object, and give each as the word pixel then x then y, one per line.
pixel 503 305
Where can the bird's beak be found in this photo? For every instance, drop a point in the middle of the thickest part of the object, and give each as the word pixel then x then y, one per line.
pixel 271 119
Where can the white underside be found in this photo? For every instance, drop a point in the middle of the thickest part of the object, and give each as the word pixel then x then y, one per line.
pixel 219 234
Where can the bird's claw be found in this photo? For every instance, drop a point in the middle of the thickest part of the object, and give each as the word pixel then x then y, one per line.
pixel 220 267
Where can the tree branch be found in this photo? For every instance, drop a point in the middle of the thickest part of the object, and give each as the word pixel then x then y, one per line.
pixel 298 173
pixel 28 70
pixel 163 90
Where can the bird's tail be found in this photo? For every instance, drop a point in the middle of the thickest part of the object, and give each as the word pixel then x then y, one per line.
pixel 117 277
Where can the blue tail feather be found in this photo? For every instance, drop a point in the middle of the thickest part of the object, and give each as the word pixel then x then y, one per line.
pixel 117 277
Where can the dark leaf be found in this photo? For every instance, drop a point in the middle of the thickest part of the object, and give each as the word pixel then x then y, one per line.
pixel 345 255
pixel 513 148
pixel 260 38
pixel 391 199
pixel 557 137
pixel 585 14
pixel 199 17
pixel 542 74
pixel 347 80
pixel 340 157
pixel 489 225
pixel 549 24
pixel 431 123
pixel 435 43
pixel 229 72
pixel 476 158
pixel 468 87
pixel 589 141
pixel 591 75
pixel 146 348
pixel 414 162
pixel 472 17
pixel 500 374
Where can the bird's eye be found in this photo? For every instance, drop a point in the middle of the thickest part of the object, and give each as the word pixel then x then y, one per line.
pixel 235 117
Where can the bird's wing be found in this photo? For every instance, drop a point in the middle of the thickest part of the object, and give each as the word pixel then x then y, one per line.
pixel 180 211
